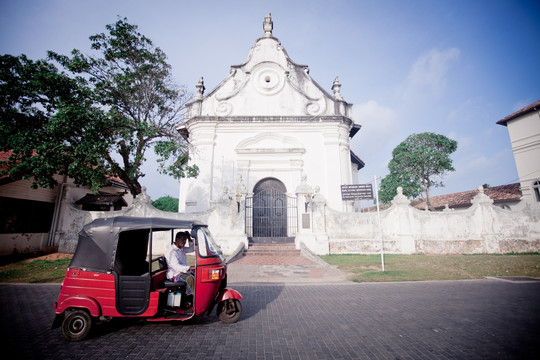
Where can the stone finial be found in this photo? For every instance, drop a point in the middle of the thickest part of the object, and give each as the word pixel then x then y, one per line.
pixel 304 188
pixel 336 87
pixel 447 208
pixel 225 195
pixel 143 197
pixel 400 198
pixel 268 25
pixel 239 187
pixel 200 88
pixel 481 197
pixel 318 198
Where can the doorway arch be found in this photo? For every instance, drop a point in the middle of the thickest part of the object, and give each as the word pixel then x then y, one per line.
pixel 270 213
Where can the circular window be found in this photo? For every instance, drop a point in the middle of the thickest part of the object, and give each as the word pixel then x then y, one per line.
pixel 268 79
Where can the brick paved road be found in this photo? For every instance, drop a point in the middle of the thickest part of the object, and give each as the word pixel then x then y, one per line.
pixel 426 320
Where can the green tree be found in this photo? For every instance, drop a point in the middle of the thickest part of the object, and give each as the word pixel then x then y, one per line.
pixel 49 124
pixel 418 163
pixel 133 81
pixel 166 203
pixel 97 119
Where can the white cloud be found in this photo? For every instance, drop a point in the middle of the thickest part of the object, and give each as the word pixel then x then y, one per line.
pixel 379 128
pixel 377 138
pixel 428 74
pixel 469 111
pixel 375 118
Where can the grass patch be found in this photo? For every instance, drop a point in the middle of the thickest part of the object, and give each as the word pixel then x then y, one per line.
pixel 367 268
pixel 46 271
pixel 359 268
pixel 35 271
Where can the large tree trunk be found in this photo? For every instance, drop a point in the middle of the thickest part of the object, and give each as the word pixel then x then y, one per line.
pixel 428 202
pixel 134 187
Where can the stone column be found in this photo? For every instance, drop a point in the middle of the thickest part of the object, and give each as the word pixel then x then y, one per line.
pixel 485 215
pixel 405 237
pixel 304 192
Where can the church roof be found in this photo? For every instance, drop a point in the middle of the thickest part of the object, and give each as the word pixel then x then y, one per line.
pixel 355 159
pixel 268 84
pixel 499 194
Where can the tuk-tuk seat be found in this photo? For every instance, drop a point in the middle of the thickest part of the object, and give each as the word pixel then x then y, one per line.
pixel 167 284
pixel 162 263
pixel 179 286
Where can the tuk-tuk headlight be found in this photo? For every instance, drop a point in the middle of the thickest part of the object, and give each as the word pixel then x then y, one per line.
pixel 214 274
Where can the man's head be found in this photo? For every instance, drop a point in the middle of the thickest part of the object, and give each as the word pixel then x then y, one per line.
pixel 181 239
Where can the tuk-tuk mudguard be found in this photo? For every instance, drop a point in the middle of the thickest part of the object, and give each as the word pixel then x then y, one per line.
pixel 227 294
pixel 58 319
pixel 79 302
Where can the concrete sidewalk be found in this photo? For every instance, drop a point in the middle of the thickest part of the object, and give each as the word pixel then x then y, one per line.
pixel 283 269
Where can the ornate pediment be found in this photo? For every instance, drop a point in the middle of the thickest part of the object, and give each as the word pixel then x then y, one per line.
pixel 269 83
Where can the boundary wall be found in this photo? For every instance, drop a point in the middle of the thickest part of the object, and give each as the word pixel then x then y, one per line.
pixel 401 229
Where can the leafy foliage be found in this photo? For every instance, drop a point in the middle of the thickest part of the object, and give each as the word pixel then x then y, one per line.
pixel 417 165
pixel 99 119
pixel 49 124
pixel 166 203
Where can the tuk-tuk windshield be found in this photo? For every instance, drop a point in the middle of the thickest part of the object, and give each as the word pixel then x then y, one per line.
pixel 207 245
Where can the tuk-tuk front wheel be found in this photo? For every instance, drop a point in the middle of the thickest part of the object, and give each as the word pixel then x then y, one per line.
pixel 229 311
pixel 76 326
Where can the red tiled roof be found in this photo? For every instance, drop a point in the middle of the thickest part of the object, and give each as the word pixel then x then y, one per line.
pixel 534 106
pixel 116 181
pixel 4 157
pixel 502 193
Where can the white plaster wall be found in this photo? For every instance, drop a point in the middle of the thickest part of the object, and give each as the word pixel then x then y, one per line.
pixel 10 243
pixel 482 228
pixel 257 151
pixel 224 221
pixel 524 134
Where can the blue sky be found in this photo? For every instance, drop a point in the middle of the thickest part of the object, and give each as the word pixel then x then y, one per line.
pixel 450 67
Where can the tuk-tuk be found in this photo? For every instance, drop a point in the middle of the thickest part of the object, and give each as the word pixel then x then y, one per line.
pixel 114 273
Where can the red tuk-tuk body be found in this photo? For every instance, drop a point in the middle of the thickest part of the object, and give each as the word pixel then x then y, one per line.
pixel 113 274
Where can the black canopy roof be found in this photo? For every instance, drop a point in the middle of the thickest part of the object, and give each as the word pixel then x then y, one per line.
pixel 98 240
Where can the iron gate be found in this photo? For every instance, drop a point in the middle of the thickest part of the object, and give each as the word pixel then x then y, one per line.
pixel 271 213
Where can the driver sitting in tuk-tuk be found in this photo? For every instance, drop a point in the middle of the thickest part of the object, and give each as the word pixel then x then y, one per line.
pixel 178 268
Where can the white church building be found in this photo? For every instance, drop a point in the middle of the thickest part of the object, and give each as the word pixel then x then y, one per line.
pixel 271 139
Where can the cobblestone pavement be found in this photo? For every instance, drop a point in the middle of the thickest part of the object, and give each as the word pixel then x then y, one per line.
pixel 480 319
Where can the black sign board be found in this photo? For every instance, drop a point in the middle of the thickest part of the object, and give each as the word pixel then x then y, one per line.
pixel 356 192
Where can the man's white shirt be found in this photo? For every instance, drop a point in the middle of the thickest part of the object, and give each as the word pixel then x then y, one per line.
pixel 177 260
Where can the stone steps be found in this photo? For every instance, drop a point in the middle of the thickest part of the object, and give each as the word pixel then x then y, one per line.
pixel 272 250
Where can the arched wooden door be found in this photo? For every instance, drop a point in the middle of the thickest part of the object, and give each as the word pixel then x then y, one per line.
pixel 269 209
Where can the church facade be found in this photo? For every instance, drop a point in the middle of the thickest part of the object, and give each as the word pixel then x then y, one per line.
pixel 271 139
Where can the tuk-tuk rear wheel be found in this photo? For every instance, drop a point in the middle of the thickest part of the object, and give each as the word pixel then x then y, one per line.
pixel 229 311
pixel 76 326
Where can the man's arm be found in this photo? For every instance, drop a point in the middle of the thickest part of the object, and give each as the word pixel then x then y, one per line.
pixel 191 247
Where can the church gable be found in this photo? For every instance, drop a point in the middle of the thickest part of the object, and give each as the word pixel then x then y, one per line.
pixel 269 83
pixel 268 120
